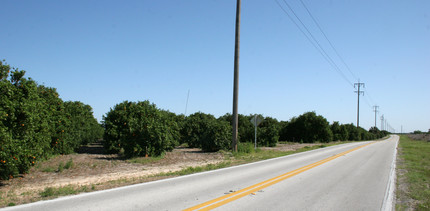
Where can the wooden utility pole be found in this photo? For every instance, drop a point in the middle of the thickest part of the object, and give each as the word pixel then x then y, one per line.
pixel 236 78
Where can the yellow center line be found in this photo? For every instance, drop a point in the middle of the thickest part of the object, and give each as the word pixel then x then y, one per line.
pixel 253 188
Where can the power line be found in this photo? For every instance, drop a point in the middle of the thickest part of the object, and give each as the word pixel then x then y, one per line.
pixel 317 45
pixel 313 41
pixel 328 40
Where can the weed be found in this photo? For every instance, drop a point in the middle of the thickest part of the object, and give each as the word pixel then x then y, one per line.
pixel 145 160
pixel 69 164
pixel 48 169
pixel 60 191
pixel 26 193
pixel 60 167
pixel 11 204
pixel 84 189
pixel 245 147
pixel 47 192
pixel 192 170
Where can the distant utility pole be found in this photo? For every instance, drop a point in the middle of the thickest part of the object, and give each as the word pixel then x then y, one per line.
pixel 382 122
pixel 358 100
pixel 386 124
pixel 236 78
pixel 375 109
pixel 186 105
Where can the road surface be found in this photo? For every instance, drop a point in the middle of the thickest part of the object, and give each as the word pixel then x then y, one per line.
pixel 354 176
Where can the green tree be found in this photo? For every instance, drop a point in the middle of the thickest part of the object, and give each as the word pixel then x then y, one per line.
pixel 194 127
pixel 84 128
pixel 245 128
pixel 344 135
pixel 283 131
pixel 268 132
pixel 33 123
pixel 139 129
pixel 337 131
pixel 309 128
pixel 217 136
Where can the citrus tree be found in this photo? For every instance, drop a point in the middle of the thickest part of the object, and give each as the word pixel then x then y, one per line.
pixel 139 129
pixel 34 123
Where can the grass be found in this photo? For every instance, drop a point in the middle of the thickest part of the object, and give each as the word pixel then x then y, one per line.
pixel 145 160
pixel 61 166
pixel 415 162
pixel 69 164
pixel 53 192
pixel 192 170
pixel 48 169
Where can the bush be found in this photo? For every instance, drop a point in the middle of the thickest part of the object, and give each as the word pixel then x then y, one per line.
pixel 84 128
pixel 245 129
pixel 309 128
pixel 268 132
pixel 139 129
pixel 217 136
pixel 194 128
pixel 246 147
pixel 353 132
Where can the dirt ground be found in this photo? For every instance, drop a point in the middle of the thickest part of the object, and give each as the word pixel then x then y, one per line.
pixel 425 137
pixel 93 167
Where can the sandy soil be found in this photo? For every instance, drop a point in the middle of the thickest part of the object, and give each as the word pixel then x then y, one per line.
pixel 93 166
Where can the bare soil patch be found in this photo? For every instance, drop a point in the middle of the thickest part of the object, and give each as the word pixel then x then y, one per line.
pixel 93 167
pixel 425 137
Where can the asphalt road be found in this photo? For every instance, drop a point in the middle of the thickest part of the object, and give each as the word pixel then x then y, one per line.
pixel 355 176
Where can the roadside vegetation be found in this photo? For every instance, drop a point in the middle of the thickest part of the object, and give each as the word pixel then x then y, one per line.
pixel 413 170
pixel 37 126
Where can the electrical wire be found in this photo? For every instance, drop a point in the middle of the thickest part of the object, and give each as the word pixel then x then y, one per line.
pixel 313 41
pixel 328 40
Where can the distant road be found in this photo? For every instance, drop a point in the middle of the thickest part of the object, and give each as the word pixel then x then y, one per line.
pixel 351 176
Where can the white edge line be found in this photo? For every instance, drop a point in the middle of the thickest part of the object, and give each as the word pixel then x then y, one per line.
pixel 23 206
pixel 387 204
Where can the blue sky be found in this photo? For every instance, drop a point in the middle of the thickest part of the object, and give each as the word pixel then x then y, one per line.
pixel 105 52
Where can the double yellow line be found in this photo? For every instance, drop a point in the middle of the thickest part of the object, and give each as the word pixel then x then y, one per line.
pixel 254 188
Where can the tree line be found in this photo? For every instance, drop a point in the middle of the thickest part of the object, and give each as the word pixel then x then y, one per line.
pixel 35 123
pixel 142 129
